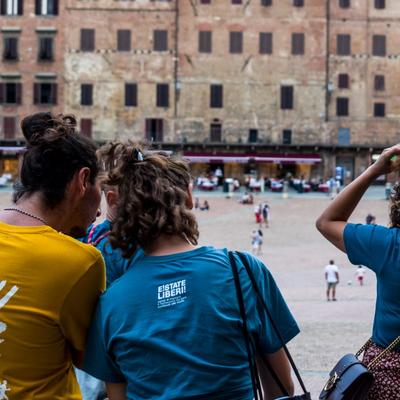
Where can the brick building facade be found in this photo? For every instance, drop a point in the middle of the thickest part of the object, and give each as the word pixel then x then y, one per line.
pixel 264 87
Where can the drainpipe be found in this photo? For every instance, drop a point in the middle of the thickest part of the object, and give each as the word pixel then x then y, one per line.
pixel 328 87
pixel 177 84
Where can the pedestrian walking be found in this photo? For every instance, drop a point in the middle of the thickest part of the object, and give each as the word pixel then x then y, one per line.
pixel 170 327
pixel 377 248
pixel 266 214
pixel 332 280
pixel 360 273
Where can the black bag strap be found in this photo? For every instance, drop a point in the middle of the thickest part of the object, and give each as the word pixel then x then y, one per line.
pixel 251 359
pixel 252 346
pixel 245 263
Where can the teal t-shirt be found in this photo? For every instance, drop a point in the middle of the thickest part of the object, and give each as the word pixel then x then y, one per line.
pixel 170 327
pixel 378 248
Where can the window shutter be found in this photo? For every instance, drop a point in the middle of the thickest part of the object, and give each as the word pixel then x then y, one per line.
pixel 20 7
pixel 124 40
pixel 131 94
pixel 205 41
pixel 54 96
pixel 2 89
pixel 286 97
pixel 36 93
pixel 160 38
pixel 216 96
pixel 86 127
pixel 3 7
pixel 38 7
pixel 18 93
pixel 379 45
pixel 54 8
pixel 235 42
pixel 265 44
pixel 9 127
pixel 162 95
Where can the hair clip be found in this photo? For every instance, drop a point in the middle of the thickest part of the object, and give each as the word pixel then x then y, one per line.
pixel 138 155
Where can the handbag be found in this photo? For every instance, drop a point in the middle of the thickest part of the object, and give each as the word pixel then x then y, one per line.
pixel 350 379
pixel 252 345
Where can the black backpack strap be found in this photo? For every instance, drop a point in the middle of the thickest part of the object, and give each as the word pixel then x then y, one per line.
pixel 260 297
pixel 252 361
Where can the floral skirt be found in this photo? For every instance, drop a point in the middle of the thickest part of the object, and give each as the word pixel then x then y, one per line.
pixel 386 373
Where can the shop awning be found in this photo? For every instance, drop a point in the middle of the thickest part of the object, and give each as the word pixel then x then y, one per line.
pixel 259 158
pixel 12 149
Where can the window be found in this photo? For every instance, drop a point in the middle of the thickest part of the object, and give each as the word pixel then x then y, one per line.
pixel 10 49
pixel 205 42
pixel 287 136
pixel 297 44
pixel 343 45
pixel 298 3
pixel 124 40
pixel 154 129
pixel 286 97
pixel 86 127
pixel 343 81
pixel 379 109
pixel 379 83
pixel 46 7
pixel 9 126
pixel 130 94
pixel 45 93
pixel 342 106
pixel 160 38
pixel 46 49
pixel 10 93
pixel 86 94
pixel 379 45
pixel 87 39
pixel 253 135
pixel 216 132
pixel 236 1
pixel 344 3
pixel 11 7
pixel 216 96
pixel 380 4
pixel 235 42
pixel 162 95
pixel 266 3
pixel 265 45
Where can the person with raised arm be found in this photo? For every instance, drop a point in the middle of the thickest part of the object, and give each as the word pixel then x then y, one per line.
pixel 378 248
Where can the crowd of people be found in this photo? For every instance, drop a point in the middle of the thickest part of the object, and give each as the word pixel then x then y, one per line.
pixel 134 301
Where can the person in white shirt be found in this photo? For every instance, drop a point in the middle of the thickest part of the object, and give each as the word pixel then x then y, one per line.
pixel 332 279
pixel 360 272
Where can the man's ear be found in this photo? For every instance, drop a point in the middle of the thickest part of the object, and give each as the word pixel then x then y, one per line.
pixel 189 199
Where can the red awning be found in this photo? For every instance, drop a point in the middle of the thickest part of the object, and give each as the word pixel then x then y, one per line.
pixel 259 158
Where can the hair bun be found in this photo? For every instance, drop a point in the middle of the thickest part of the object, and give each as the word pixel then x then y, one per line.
pixel 35 126
pixel 41 126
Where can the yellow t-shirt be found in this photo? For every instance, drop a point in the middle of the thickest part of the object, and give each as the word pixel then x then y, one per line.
pixel 49 286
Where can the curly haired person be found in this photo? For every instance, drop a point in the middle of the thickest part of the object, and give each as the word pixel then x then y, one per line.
pixel 170 327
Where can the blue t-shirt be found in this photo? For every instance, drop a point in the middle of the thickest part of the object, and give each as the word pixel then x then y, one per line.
pixel 378 248
pixel 116 264
pixel 170 327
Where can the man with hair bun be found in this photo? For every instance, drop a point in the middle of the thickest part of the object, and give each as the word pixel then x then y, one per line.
pixel 49 282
